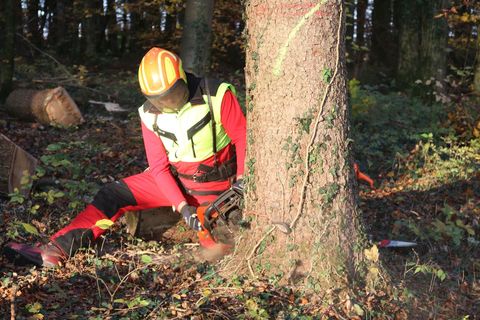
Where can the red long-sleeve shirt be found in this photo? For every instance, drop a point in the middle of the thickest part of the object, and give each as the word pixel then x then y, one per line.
pixel 234 124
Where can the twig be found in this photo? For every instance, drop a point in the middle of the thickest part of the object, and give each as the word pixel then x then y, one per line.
pixel 72 77
pixel 317 122
pixel 12 302
pixel 44 53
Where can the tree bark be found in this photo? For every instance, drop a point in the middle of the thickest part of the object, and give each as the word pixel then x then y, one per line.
pixel 299 170
pixel 7 45
pixel 197 36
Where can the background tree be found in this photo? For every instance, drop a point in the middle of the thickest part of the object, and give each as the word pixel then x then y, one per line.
pixel 422 41
pixel 382 47
pixel 197 36
pixel 299 168
pixel 476 82
pixel 7 45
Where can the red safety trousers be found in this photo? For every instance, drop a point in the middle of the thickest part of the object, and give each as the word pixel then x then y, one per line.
pixel 137 192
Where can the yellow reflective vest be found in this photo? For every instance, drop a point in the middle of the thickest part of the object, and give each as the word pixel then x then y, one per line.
pixel 187 135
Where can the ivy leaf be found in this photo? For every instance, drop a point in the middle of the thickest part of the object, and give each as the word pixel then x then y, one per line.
pixel 34 307
pixel 146 259
pixel 29 228
pixel 327 75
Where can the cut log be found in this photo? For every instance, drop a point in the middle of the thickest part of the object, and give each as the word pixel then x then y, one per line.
pixel 49 107
pixel 151 224
pixel 14 164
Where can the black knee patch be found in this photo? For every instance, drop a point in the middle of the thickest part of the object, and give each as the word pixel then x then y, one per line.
pixel 112 197
pixel 74 240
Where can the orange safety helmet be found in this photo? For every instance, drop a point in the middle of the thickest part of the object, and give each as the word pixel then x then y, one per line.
pixel 163 80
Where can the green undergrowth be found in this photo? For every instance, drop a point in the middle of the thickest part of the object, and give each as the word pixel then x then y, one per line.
pixel 386 126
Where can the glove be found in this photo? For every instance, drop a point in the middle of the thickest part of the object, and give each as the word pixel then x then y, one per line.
pixel 190 216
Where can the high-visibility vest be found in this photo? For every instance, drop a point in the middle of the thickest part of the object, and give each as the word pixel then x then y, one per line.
pixel 187 135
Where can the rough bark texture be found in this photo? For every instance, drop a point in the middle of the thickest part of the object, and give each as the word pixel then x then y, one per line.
pixel 197 36
pixel 7 45
pixel 51 106
pixel 296 82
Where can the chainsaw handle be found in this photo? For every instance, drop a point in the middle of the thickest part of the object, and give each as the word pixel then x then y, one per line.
pixel 207 218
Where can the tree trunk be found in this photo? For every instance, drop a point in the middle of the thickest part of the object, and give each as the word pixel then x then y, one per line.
pixel 476 80
pixel 51 106
pixel 434 41
pixel 197 36
pixel 112 27
pixel 350 31
pixel 93 28
pixel 381 35
pixel 360 39
pixel 33 23
pixel 298 173
pixel 409 42
pixel 422 41
pixel 7 45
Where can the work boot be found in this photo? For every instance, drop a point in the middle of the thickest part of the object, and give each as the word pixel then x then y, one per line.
pixel 42 255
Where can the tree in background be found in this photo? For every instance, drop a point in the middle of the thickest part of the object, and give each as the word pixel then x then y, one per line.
pixel 382 48
pixel 197 36
pixel 299 173
pixel 422 41
pixel 7 45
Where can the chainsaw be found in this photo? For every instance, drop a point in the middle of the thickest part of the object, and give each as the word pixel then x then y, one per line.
pixel 221 218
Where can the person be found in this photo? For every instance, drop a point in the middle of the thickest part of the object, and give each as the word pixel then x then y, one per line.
pixel 194 135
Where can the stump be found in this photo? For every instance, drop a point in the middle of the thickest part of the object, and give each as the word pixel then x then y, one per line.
pixel 152 224
pixel 14 164
pixel 49 107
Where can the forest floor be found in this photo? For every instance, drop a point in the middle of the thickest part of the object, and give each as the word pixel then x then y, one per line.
pixel 425 161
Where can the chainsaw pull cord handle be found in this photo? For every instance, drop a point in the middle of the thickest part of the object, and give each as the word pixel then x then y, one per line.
pixel 214 130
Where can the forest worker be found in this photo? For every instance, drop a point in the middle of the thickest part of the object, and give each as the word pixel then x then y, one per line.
pixel 194 133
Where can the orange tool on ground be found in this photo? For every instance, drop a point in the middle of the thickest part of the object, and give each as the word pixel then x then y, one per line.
pixel 362 176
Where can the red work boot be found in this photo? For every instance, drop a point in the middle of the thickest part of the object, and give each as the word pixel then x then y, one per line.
pixel 42 255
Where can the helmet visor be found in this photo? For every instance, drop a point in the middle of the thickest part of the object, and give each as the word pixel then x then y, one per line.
pixel 173 99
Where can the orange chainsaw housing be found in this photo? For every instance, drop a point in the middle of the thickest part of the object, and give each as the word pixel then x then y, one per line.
pixel 204 236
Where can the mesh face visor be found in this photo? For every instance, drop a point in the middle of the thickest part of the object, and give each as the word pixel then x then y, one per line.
pixel 171 100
